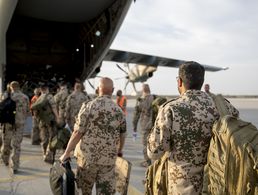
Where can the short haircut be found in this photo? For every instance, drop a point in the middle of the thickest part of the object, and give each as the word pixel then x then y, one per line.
pixel 119 92
pixel 192 75
pixel 15 85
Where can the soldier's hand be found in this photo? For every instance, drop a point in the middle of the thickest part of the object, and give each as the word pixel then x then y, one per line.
pixel 64 157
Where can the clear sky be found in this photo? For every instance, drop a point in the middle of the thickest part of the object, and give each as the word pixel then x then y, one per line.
pixel 214 32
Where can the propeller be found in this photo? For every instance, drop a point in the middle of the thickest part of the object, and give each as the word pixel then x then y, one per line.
pixel 92 86
pixel 122 69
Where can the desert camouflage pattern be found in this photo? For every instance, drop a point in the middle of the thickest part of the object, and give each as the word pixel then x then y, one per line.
pixel 103 175
pixel 22 107
pixel 47 131
pixel 143 112
pixel 183 126
pixel 101 122
pixel 12 134
pixel 73 104
pixel 60 99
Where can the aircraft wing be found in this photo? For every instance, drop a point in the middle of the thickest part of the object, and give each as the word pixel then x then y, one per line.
pixel 137 58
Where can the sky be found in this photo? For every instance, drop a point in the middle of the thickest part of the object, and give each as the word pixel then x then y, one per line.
pixel 215 32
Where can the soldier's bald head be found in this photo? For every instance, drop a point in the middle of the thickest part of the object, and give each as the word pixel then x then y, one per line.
pixel 106 86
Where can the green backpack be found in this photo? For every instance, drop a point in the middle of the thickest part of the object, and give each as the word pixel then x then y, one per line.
pixel 232 163
pixel 43 109
pixel 61 139
pixel 156 103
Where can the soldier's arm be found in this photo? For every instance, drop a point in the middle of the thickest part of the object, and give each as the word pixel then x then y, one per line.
pixel 159 139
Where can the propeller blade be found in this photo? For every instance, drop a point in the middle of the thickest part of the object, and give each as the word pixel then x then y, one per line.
pixel 121 69
pixel 126 85
pixel 134 87
pixel 91 85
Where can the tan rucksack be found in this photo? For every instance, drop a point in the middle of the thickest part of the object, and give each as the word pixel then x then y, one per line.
pixel 232 164
pixel 157 176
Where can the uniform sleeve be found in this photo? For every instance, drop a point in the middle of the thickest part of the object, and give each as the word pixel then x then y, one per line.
pixel 82 119
pixel 159 139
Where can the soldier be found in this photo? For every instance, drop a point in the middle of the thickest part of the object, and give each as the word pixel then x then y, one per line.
pixel 73 104
pixel 143 112
pixel 35 140
pixel 183 127
pixel 121 100
pixel 207 90
pixel 47 123
pixel 12 134
pixel 100 127
pixel 60 99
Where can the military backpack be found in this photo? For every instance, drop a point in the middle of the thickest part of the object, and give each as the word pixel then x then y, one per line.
pixel 157 176
pixel 232 163
pixel 43 109
pixel 7 110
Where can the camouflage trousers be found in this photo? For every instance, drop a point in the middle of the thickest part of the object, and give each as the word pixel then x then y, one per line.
pixel 47 132
pixel 145 134
pixel 11 146
pixel 35 137
pixel 102 175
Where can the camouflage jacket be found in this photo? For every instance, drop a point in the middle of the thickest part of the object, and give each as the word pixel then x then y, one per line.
pixel 101 122
pixel 22 106
pixel 73 104
pixel 183 127
pixel 143 112
pixel 60 99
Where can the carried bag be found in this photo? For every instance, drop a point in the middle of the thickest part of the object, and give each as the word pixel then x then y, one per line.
pixel 62 179
pixel 232 163
pixel 157 176
pixel 61 139
pixel 7 110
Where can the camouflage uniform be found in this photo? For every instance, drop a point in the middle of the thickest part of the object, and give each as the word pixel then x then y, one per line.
pixel 48 130
pixel 143 111
pixel 12 134
pixel 102 123
pixel 73 104
pixel 35 138
pixel 183 127
pixel 60 99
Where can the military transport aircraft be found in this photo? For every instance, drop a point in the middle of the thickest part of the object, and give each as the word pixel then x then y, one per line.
pixel 46 40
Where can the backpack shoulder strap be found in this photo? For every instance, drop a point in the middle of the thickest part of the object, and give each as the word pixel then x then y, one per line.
pixel 220 105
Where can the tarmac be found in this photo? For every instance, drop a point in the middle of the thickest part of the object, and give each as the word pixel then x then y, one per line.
pixel 33 175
